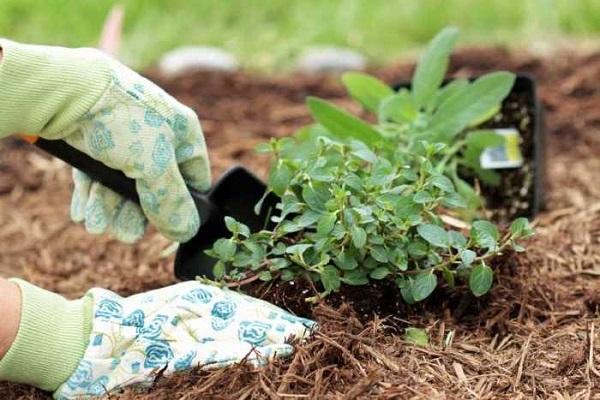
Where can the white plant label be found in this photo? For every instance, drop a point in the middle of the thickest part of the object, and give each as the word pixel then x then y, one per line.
pixel 507 155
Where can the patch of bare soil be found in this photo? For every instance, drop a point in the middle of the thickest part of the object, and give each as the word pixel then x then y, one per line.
pixel 536 335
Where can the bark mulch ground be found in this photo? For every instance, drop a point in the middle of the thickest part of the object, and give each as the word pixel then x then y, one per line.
pixel 536 335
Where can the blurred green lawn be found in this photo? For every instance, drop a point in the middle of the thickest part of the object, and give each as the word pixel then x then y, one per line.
pixel 269 34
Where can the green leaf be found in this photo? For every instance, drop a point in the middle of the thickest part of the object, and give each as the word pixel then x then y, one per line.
pixel 308 218
pixel 263 148
pixel 225 248
pixel 457 240
pixel 435 235
pixel 259 204
pixel 363 152
pixel 379 273
pixel 405 206
pixel 340 123
pixel 359 237
pixel 257 251
pixel 315 197
pixel 407 295
pixel 326 223
pixel 379 253
pixel 279 263
pixel 480 139
pixel 231 224
pixel 345 261
pixel 457 112
pixel 355 278
pixel 236 227
pixel 481 279
pixel 367 90
pixel 485 116
pixel 279 178
pixel 432 66
pixel 298 249
pixel 219 269
pixel 321 175
pixel 520 228
pixel 399 108
pixel 290 227
pixel 443 183
pixel 449 90
pixel 423 285
pixel 467 257
pixel 417 249
pixel 485 234
pixel 265 276
pixel 279 249
pixel 330 279
pixel 243 260
pixel 423 197
pixel 454 200
pixel 416 336
pixel 398 258
pixel 466 191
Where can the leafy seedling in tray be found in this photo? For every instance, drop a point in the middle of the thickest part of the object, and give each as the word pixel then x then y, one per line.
pixel 362 202
pixel 519 191
pixel 352 215
pixel 442 114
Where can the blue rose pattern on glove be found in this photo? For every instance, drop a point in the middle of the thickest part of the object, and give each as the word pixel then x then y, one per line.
pixel 108 308
pixel 176 328
pixel 82 377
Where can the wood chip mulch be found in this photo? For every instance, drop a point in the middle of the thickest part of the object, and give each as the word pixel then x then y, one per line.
pixel 536 335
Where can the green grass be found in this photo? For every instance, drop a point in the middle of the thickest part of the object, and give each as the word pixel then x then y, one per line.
pixel 269 34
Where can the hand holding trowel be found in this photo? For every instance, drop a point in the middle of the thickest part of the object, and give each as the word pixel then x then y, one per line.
pixel 136 155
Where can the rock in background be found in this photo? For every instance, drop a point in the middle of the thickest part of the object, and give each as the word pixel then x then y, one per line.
pixel 197 58
pixel 330 59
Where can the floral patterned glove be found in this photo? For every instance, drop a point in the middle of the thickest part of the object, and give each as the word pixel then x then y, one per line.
pixel 119 118
pixel 177 328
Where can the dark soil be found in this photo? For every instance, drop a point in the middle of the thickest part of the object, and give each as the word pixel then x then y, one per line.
pixel 534 336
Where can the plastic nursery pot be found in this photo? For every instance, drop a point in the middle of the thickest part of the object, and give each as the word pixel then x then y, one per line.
pixel 521 190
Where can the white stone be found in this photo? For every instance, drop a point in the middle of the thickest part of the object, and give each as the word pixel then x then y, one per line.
pixel 195 58
pixel 330 59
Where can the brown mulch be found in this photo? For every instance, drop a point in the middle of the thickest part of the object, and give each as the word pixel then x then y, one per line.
pixel 535 336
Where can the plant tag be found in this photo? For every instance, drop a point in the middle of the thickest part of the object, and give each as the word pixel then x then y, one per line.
pixel 506 156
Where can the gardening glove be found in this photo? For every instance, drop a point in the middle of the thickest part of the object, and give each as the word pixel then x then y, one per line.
pixel 103 342
pixel 116 116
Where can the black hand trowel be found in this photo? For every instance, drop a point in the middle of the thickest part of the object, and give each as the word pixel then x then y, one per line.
pixel 235 194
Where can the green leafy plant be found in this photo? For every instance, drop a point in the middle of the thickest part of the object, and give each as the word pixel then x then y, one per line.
pixel 351 215
pixel 363 202
pixel 427 110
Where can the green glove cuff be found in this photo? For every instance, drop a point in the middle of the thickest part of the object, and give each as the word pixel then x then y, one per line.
pixel 44 90
pixel 52 338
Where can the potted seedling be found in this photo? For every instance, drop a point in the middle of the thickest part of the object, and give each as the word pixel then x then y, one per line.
pixel 514 185
pixel 352 215
pixel 518 186
pixel 491 126
pixel 363 202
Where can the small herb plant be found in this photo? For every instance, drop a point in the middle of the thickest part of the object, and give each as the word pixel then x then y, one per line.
pixel 428 111
pixel 350 215
pixel 365 202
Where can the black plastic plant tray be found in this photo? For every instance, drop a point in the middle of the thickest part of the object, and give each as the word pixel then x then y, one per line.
pixel 521 192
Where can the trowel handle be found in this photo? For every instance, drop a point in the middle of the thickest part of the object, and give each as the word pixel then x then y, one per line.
pixel 111 178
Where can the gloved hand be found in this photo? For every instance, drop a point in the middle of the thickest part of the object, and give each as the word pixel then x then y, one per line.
pixel 127 341
pixel 117 117
pixel 177 328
